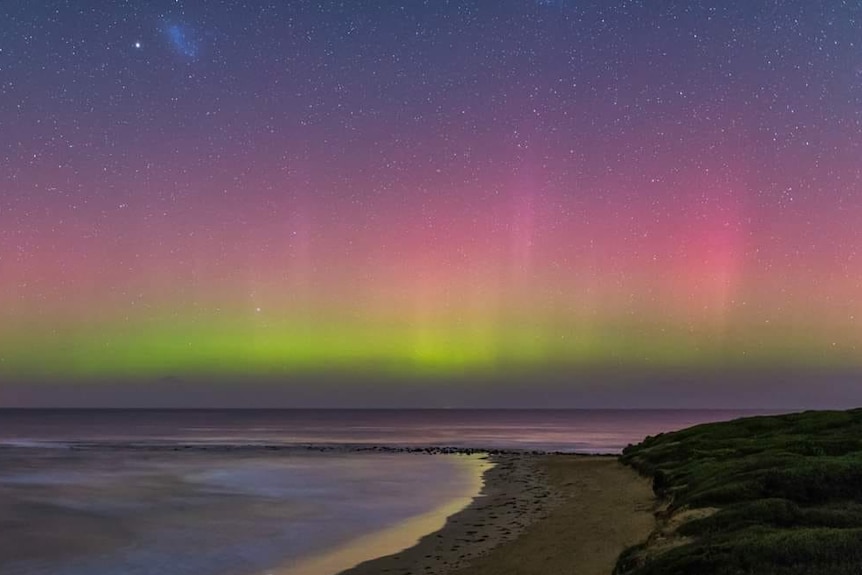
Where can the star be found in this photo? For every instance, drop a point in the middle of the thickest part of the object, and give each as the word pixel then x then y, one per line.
pixel 137 45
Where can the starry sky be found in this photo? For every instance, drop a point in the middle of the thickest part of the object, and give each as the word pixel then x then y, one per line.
pixel 439 196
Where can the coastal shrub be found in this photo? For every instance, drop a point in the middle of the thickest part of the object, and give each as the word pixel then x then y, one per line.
pixel 788 489
pixel 765 552
pixel 775 512
pixel 630 559
pixel 794 547
pixel 816 481
pixel 724 494
pixel 844 514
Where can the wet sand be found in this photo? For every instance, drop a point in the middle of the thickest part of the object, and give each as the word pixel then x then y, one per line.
pixel 396 538
pixel 538 514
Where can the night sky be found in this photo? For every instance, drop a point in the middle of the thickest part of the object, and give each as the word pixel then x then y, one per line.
pixel 431 201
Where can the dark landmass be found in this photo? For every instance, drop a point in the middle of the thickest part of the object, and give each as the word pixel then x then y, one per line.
pixel 776 495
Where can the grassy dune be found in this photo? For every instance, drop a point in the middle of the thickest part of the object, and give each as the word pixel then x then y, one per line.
pixel 761 495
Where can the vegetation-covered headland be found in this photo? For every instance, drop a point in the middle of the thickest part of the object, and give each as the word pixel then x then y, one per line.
pixel 761 495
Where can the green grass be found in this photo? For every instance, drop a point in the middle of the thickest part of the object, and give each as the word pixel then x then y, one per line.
pixel 788 490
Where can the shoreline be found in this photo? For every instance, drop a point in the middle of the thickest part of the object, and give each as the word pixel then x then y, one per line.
pixel 514 493
pixel 396 538
pixel 528 505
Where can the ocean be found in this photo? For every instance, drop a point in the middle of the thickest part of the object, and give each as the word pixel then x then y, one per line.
pixel 253 492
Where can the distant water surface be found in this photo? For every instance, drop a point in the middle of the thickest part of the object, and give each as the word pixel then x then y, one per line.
pixel 78 495
pixel 585 431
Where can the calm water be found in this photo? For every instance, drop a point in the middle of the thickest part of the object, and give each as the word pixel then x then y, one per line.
pixel 114 508
pixel 587 431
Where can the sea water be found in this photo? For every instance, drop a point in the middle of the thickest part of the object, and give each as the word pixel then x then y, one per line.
pixel 89 492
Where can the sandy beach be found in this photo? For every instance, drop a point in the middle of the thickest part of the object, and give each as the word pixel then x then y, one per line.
pixel 538 514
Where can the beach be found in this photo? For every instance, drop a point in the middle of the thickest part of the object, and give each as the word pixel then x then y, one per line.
pixel 286 493
pixel 538 514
